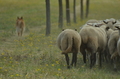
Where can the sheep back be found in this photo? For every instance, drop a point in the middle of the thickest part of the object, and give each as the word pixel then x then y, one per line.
pixel 93 37
pixel 69 41
pixel 112 42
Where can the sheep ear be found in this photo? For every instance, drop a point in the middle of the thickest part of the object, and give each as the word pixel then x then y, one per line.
pixel 97 26
pixel 105 22
pixel 90 24
pixel 107 28
pixel 114 22
pixel 75 29
pixel 81 27
pixel 117 27
pixel 100 25
pixel 63 29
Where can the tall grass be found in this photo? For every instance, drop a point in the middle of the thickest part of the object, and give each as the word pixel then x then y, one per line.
pixel 35 56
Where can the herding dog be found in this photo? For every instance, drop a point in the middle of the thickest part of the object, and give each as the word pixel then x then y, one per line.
pixel 20 26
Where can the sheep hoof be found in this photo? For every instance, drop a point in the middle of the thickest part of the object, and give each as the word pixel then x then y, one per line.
pixel 100 67
pixel 115 69
pixel 63 53
pixel 90 66
pixel 68 67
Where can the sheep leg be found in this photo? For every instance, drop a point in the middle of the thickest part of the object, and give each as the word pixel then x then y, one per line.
pixel 67 60
pixel 107 55
pixel 74 59
pixel 84 54
pixel 100 59
pixel 97 58
pixel 92 60
pixel 18 33
pixel 114 63
pixel 84 57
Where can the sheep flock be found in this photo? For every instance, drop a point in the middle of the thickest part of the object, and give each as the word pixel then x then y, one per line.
pixel 97 41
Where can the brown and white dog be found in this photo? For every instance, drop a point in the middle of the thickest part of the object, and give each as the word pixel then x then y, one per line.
pixel 20 26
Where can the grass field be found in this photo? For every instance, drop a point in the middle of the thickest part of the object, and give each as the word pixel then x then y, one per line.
pixel 36 56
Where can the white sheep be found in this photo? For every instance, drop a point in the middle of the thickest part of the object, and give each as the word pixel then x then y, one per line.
pixel 114 45
pixel 93 40
pixel 106 54
pixel 69 41
pixel 110 22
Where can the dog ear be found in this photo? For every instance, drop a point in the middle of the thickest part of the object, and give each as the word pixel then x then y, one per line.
pixel 17 17
pixel 21 17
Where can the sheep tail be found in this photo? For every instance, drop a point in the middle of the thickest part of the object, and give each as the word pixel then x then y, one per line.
pixel 69 46
pixel 84 39
pixel 114 55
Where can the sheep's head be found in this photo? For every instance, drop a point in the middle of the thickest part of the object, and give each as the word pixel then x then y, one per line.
pixel 110 22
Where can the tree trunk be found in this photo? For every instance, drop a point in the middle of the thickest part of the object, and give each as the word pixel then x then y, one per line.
pixel 67 12
pixel 60 22
pixel 48 23
pixel 81 15
pixel 87 8
pixel 74 11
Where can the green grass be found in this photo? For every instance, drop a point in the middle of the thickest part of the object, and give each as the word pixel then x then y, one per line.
pixel 36 56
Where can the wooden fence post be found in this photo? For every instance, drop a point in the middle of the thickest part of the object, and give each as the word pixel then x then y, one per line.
pixel 67 12
pixel 74 11
pixel 48 23
pixel 60 21
pixel 87 8
pixel 81 15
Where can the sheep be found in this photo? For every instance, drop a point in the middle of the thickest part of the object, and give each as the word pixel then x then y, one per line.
pixel 93 40
pixel 69 41
pixel 108 32
pixel 113 45
pixel 118 42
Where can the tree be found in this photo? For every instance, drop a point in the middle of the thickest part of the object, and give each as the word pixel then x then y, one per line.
pixel 67 12
pixel 81 15
pixel 60 21
pixel 48 23
pixel 87 8
pixel 74 11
